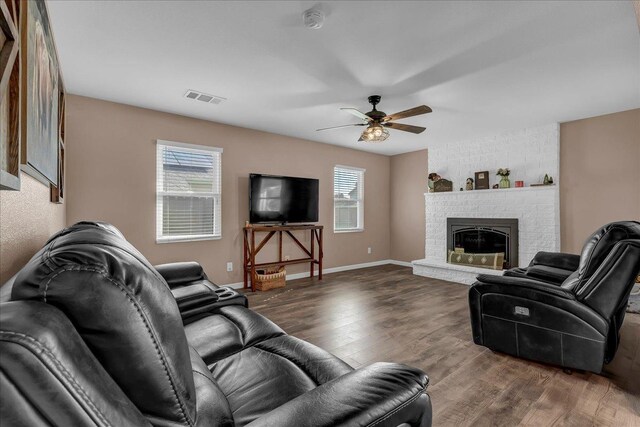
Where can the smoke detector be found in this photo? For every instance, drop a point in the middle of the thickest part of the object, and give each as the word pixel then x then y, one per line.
pixel 203 97
pixel 313 18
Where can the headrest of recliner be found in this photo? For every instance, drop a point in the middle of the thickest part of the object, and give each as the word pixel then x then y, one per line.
pixel 600 243
pixel 123 310
pixel 87 225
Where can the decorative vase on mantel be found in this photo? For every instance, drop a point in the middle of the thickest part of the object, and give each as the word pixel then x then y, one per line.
pixel 504 177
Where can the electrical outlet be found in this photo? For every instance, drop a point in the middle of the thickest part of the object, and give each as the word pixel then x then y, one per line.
pixel 368 250
pixel 229 266
pixel 286 258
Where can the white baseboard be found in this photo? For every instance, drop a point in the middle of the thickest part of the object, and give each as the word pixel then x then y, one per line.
pixel 294 276
pixel 402 263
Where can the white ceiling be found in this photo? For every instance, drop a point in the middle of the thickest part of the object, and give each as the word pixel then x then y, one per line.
pixel 484 67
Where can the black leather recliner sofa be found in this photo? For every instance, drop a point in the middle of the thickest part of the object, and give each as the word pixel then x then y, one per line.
pixel 92 335
pixel 562 309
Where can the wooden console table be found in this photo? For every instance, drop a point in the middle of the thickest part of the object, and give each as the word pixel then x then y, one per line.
pixel 251 250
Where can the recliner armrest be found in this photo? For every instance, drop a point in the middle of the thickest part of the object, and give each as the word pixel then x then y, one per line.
pixel 524 284
pixel 181 273
pixel 561 260
pixel 382 394
pixel 197 295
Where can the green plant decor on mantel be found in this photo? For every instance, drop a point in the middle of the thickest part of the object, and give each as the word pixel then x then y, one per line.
pixel 504 180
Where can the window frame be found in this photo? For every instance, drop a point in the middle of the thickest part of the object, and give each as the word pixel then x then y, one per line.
pixel 360 201
pixel 217 196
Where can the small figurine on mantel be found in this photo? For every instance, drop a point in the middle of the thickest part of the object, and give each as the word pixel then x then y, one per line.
pixel 433 177
pixel 469 185
pixel 496 186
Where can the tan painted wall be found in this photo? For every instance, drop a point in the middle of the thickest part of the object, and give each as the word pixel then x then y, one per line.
pixel 111 177
pixel 599 174
pixel 408 185
pixel 27 220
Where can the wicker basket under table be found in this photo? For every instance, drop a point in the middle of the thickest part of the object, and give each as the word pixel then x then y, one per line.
pixel 270 279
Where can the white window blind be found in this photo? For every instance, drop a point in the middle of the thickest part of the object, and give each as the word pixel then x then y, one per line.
pixel 188 192
pixel 348 199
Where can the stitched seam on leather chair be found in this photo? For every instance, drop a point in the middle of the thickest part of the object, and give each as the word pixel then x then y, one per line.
pixel 46 257
pixel 160 353
pixel 64 270
pixel 399 408
pixel 142 260
pixel 582 308
pixel 542 327
pixel 74 384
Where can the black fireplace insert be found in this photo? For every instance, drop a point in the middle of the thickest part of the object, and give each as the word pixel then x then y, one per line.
pixel 485 235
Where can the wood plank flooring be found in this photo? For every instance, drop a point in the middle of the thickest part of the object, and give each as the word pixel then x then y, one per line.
pixel 388 314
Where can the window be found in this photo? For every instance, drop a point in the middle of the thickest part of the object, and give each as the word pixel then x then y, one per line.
pixel 188 192
pixel 348 199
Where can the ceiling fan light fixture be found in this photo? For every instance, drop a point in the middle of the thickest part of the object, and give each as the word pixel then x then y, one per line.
pixel 375 133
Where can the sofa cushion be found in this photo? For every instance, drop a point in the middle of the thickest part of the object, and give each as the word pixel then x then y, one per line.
pixel 250 357
pixel 228 330
pixel 547 273
pixel 256 381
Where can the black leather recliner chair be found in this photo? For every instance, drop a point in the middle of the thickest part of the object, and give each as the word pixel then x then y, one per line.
pixel 548 313
pixel 94 336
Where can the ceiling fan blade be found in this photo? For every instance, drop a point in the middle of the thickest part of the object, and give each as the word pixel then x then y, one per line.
pixel 406 128
pixel 422 109
pixel 357 113
pixel 343 126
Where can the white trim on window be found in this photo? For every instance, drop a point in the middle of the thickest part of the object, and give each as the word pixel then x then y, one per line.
pixel 188 192
pixel 189 146
pixel 353 168
pixel 348 199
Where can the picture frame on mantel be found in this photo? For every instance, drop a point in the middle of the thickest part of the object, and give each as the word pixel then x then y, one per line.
pixel 482 180
pixel 10 96
pixel 39 105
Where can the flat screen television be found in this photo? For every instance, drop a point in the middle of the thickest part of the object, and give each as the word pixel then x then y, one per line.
pixel 282 199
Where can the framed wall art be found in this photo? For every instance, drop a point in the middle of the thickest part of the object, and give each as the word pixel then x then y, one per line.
pixel 57 191
pixel 41 92
pixel 9 96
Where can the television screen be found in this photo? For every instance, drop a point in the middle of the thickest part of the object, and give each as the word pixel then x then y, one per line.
pixel 280 199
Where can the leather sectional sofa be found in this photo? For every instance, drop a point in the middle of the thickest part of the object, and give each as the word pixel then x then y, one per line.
pixel 92 334
pixel 563 309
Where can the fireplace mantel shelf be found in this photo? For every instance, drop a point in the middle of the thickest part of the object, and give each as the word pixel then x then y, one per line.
pixel 493 190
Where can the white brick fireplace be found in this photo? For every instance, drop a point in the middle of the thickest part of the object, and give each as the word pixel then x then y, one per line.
pixel 530 154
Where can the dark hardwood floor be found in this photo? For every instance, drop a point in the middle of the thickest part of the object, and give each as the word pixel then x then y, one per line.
pixel 387 314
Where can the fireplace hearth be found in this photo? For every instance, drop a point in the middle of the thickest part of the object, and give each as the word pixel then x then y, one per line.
pixel 484 236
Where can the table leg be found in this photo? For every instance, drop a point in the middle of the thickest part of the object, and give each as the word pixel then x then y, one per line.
pixel 253 260
pixel 320 255
pixel 313 258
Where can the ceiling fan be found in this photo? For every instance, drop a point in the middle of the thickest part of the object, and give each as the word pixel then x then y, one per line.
pixel 377 121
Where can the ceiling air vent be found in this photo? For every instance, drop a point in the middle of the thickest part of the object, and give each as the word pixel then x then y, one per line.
pixel 203 97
